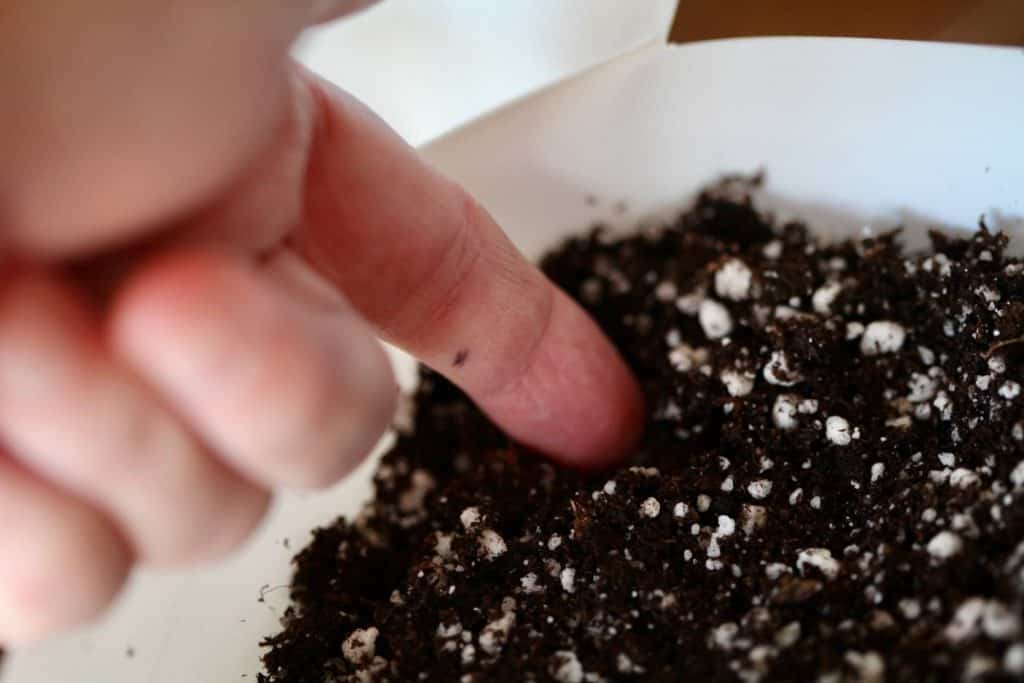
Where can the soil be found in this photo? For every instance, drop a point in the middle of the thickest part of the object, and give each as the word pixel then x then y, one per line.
pixel 830 488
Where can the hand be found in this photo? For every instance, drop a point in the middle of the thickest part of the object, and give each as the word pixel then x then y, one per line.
pixel 251 230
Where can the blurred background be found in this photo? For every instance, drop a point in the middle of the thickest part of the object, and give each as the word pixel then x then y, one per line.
pixel 996 22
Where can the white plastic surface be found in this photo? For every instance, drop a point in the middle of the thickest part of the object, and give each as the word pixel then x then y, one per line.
pixel 427 66
pixel 850 132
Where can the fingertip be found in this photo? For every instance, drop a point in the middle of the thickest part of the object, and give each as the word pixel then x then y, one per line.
pixel 577 401
pixel 63 566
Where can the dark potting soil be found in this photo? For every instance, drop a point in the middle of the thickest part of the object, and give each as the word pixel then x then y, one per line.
pixel 831 485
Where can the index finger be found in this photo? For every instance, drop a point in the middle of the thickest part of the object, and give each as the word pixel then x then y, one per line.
pixel 433 271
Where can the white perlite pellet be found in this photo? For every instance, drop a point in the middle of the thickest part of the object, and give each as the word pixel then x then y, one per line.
pixel 714 319
pixel 1009 390
pixel 361 645
pixel 963 478
pixel 732 280
pixel 821 300
pixel 665 291
pixel 944 405
pixel 990 295
pixel 999 622
pixel 997 364
pixel 808 406
pixel 788 635
pixel 773 250
pixel 821 559
pixel 443 545
pixel 759 488
pixel 910 608
pixel 723 634
pixel 684 357
pixel 784 411
pixel 690 303
pixel 726 526
pixel 1017 475
pixel 1013 660
pixel 494 634
pixel 870 666
pixel 966 620
pixel 945 545
pixel 882 336
pixel 947 459
pixel 837 430
pixel 567 578
pixel 566 667
pixel 451 631
pixel 922 387
pixel 650 508
pixel 529 583
pixel 737 383
pixel 680 510
pixel 469 517
pixel 778 371
pixel 492 544
pixel 625 665
pixel 877 471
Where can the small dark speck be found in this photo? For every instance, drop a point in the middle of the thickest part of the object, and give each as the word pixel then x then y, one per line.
pixel 620 207
pixel 267 588
pixel 590 200
pixel 987 169
pixel 129 653
pixel 461 356
pixel 286 543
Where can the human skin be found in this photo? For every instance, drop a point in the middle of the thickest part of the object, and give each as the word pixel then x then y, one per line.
pixel 201 244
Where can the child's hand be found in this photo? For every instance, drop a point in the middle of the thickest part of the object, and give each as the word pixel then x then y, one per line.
pixel 203 242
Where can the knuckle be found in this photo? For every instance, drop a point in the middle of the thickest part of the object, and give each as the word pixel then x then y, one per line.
pixel 447 279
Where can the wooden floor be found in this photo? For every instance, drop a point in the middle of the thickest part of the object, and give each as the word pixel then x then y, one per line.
pixel 973 21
